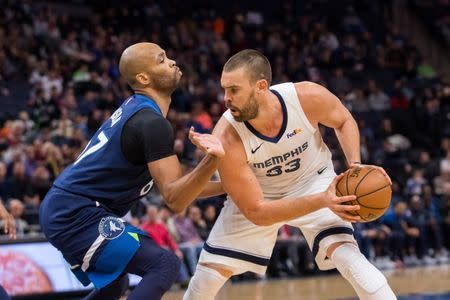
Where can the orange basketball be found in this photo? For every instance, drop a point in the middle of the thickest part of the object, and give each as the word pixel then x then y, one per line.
pixel 372 189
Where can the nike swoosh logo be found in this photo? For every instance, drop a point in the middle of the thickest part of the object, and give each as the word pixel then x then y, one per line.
pixel 321 170
pixel 256 149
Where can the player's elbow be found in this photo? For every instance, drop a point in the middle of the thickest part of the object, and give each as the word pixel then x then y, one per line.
pixel 259 222
pixel 175 207
pixel 258 217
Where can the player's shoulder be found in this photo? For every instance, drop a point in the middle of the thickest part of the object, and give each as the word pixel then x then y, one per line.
pixel 312 95
pixel 309 88
pixel 146 121
pixel 148 117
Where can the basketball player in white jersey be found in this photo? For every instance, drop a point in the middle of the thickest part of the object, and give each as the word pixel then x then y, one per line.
pixel 277 170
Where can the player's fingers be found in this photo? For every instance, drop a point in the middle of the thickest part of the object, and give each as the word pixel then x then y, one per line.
pixel 206 143
pixel 348 217
pixel 339 200
pixel 385 174
pixel 206 137
pixel 344 208
pixel 197 139
pixel 192 134
pixel 337 178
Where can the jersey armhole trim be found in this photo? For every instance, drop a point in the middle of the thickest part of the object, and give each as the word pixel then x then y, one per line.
pixel 302 112
pixel 227 115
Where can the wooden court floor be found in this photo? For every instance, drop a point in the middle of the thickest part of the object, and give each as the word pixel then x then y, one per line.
pixel 407 281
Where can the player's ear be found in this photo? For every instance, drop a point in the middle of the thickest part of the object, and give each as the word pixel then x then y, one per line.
pixel 143 78
pixel 262 85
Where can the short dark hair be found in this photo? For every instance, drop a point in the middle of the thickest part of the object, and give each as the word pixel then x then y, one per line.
pixel 258 66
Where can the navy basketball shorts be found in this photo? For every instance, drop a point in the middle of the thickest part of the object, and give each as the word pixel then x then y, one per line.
pixel 97 244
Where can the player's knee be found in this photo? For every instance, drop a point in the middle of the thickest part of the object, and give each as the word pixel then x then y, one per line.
pixel 169 268
pixel 333 247
pixel 355 267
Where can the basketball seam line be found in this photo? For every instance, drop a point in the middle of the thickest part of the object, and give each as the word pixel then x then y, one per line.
pixel 379 189
pixel 357 199
pixel 356 188
pixel 337 189
pixel 346 181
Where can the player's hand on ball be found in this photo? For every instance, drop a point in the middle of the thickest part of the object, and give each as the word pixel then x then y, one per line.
pixel 354 165
pixel 207 143
pixel 336 205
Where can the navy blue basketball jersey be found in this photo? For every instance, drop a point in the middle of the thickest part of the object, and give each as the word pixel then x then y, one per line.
pixel 101 172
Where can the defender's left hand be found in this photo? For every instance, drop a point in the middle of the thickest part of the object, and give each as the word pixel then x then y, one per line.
pixel 207 143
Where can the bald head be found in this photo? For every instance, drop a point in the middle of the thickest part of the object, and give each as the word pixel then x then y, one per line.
pixel 136 59
pixel 145 65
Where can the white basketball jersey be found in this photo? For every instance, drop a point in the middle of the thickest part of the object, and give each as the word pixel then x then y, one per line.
pixel 285 163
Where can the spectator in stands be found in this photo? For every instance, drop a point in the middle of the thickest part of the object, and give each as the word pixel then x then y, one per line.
pixel 166 217
pixel 401 228
pixel 159 233
pixel 16 209
pixel 428 165
pixel 190 242
pixel 434 221
pixel 43 110
pixel 378 100
pixel 446 214
pixel 414 184
pixel 40 183
pixel 210 216
pixel 372 236
pixel 339 83
pixel 418 220
pixel 195 215
pixel 19 184
pixel 200 116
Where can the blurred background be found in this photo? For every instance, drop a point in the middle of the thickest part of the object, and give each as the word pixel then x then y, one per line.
pixel 387 60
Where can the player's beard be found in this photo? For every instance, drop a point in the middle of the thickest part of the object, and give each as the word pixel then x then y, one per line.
pixel 249 111
pixel 167 83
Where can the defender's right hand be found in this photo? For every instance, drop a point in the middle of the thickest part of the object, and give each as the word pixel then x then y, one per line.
pixel 336 204
pixel 207 143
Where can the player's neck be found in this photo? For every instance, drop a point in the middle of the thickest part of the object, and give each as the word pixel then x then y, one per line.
pixel 270 116
pixel 161 99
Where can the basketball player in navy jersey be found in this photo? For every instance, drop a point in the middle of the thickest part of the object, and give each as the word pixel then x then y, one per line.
pixel 9 228
pixel 277 170
pixel 81 214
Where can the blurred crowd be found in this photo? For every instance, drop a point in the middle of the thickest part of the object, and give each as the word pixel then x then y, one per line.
pixel 67 60
pixel 435 15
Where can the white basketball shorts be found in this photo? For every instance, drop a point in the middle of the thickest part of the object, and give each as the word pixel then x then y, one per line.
pixel 239 245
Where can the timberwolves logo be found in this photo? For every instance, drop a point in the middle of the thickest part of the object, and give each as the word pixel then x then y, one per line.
pixel 111 227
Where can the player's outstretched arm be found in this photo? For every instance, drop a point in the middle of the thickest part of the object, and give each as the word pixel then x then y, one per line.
pixel 212 188
pixel 322 106
pixel 241 184
pixel 208 144
pixel 8 221
pixel 179 191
